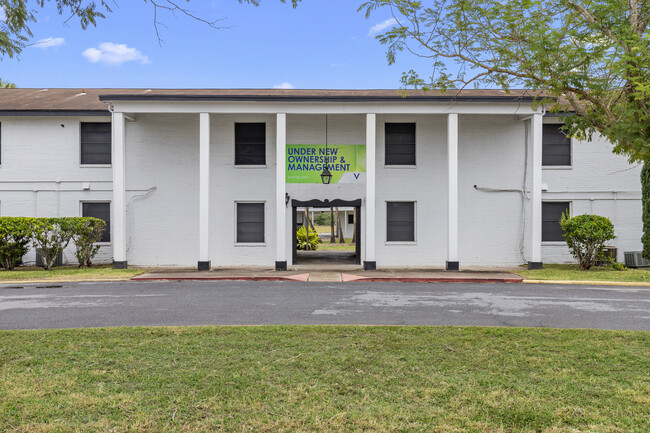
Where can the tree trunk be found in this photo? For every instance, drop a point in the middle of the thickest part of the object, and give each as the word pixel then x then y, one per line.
pixel 645 206
pixel 332 232
pixel 338 222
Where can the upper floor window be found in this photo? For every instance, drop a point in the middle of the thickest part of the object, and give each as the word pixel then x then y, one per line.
pixel 556 146
pixel 250 144
pixel 400 143
pixel 96 143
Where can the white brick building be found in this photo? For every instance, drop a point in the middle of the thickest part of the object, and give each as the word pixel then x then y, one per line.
pixel 199 176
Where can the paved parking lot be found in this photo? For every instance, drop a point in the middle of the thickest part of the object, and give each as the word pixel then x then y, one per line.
pixel 70 305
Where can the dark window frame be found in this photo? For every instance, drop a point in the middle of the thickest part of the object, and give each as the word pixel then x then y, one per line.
pixel 389 235
pixel 81 145
pixel 238 162
pixel 263 222
pixel 350 218
pixel 551 237
pixel 552 155
pixel 107 232
pixel 388 155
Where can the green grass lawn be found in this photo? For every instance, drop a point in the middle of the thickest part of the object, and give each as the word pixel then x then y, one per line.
pixel 68 273
pixel 573 272
pixel 325 379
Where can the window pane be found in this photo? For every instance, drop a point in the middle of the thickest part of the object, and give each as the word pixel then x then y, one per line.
pixel 400 143
pixel 101 211
pixel 250 222
pixel 556 147
pixel 95 143
pixel 250 143
pixel 551 214
pixel 400 221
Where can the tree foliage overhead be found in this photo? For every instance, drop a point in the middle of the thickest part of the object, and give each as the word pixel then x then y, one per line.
pixel 15 32
pixel 592 55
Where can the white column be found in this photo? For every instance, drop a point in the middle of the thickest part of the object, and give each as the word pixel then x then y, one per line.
pixel 204 192
pixel 371 140
pixel 118 233
pixel 536 224
pixel 452 195
pixel 280 192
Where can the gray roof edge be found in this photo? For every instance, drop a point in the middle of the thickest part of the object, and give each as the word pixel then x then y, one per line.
pixel 54 112
pixel 315 98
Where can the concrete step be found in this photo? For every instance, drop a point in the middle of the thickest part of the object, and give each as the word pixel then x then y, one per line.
pixel 325 277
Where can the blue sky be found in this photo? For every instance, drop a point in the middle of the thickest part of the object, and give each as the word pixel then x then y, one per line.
pixel 321 44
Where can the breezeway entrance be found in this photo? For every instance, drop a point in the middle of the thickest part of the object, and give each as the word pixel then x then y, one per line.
pixel 326 257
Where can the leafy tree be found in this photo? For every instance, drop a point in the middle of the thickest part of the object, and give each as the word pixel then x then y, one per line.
pixel 52 236
pixel 87 232
pixel 585 236
pixel 15 33
pixel 15 236
pixel 586 58
pixel 6 84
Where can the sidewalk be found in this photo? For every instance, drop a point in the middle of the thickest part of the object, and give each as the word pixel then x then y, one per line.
pixel 323 274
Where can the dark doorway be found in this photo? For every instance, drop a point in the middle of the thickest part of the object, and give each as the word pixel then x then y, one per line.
pixel 324 257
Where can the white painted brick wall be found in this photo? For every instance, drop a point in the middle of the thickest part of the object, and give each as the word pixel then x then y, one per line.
pixel 36 153
pixel 162 152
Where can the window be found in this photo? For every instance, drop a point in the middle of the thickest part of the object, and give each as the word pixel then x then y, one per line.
pixel 551 214
pixel 400 143
pixel 0 143
pixel 556 146
pixel 400 221
pixel 250 143
pixel 95 143
pixel 101 211
pixel 250 222
pixel 350 218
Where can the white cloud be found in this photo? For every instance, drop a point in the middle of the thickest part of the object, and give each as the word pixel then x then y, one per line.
pixel 382 26
pixel 49 43
pixel 338 65
pixel 109 53
pixel 284 85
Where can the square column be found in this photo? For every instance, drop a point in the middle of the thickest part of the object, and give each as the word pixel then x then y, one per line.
pixel 370 263
pixel 452 195
pixel 118 220
pixel 536 222
pixel 204 192
pixel 280 192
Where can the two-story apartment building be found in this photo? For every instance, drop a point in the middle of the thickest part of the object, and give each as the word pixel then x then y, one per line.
pixel 212 178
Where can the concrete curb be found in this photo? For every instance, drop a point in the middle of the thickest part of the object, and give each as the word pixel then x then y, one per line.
pixel 14 282
pixel 299 277
pixel 589 282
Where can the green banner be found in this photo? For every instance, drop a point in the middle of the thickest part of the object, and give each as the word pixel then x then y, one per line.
pixel 346 162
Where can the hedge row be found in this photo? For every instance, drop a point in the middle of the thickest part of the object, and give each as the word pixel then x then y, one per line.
pixel 51 236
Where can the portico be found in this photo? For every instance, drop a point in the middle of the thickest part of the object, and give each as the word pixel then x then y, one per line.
pixel 369 111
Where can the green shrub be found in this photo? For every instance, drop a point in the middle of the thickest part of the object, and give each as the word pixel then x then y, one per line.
pixel 314 240
pixel 323 219
pixel 51 236
pixel 15 235
pixel 586 236
pixel 86 233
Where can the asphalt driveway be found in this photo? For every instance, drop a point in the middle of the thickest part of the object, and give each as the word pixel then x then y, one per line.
pixel 71 305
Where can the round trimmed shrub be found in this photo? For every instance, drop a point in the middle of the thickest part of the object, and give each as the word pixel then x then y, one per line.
pixel 586 236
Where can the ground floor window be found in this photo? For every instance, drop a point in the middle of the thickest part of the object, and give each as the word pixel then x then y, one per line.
pixel 101 211
pixel 250 222
pixel 400 221
pixel 551 214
